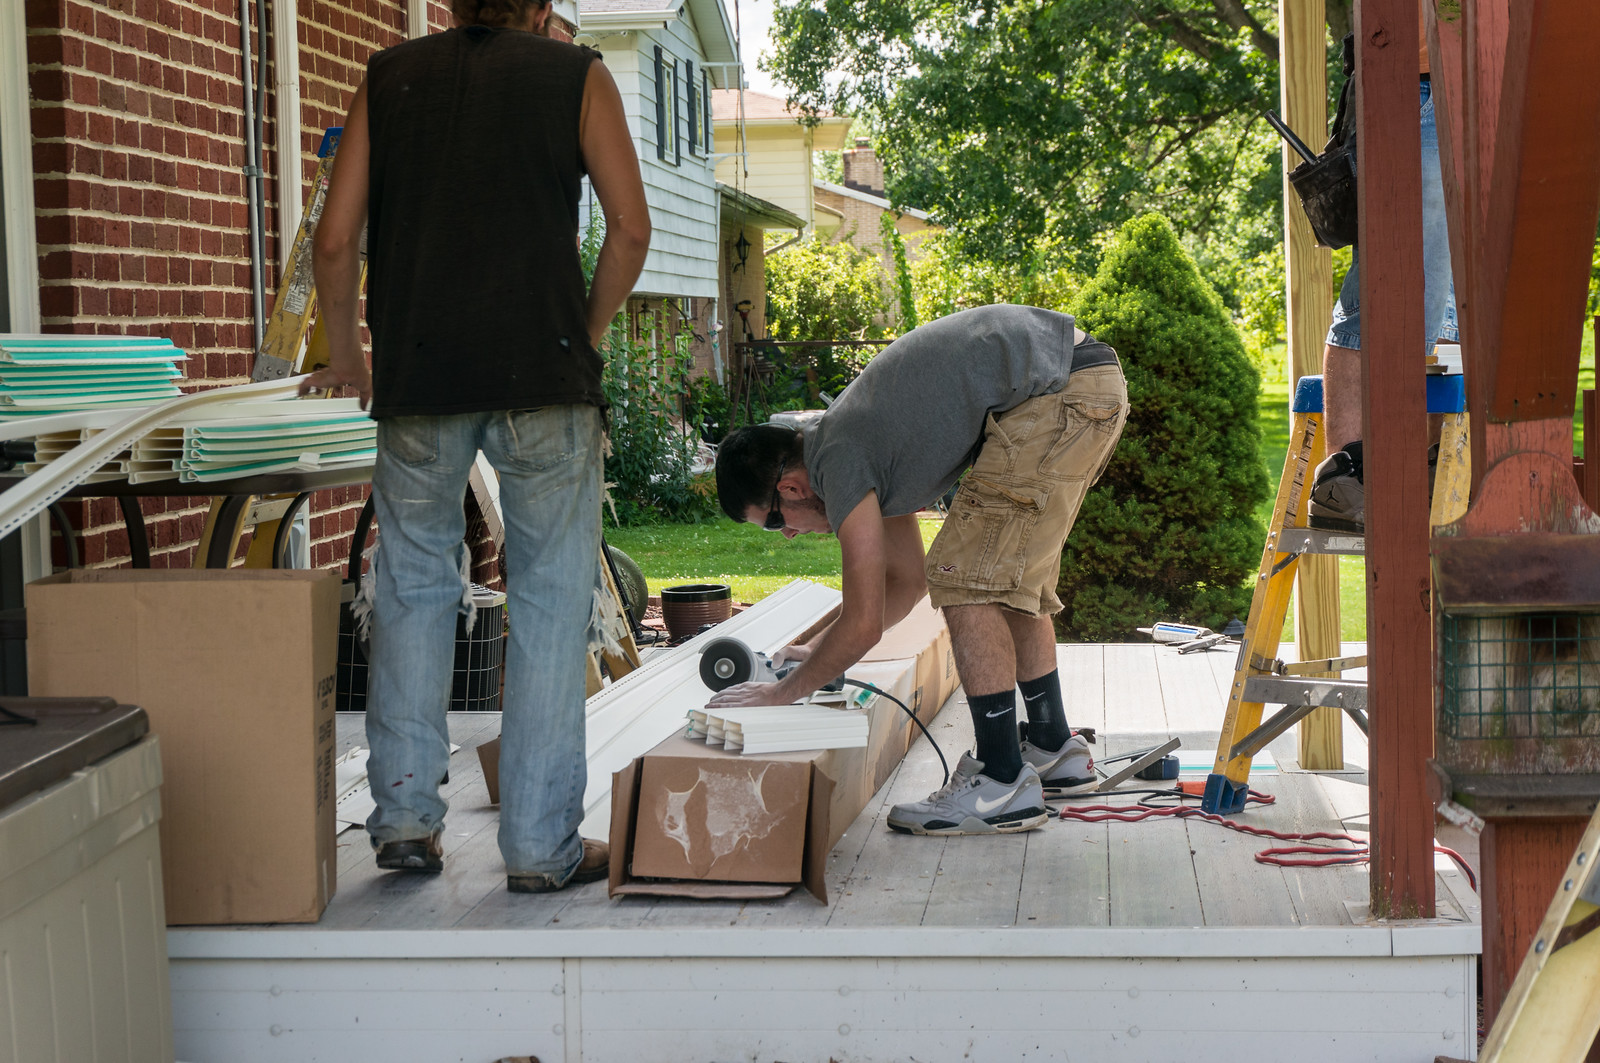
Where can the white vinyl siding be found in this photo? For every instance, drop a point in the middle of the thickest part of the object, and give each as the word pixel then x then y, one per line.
pixel 680 188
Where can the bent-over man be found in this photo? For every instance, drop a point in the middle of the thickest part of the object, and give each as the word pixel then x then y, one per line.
pixel 1031 408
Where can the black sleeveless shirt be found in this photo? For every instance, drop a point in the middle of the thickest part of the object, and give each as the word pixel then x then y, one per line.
pixel 475 292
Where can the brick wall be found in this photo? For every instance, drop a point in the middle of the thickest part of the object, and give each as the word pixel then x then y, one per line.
pixel 142 215
pixel 141 204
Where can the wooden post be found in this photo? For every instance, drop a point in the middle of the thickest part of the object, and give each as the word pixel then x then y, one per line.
pixel 1520 143
pixel 1522 861
pixel 1395 431
pixel 1303 81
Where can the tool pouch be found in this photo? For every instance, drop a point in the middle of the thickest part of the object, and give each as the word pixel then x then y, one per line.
pixel 1327 184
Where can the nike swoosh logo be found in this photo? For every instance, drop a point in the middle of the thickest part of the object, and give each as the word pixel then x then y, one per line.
pixel 1002 712
pixel 1032 697
pixel 985 807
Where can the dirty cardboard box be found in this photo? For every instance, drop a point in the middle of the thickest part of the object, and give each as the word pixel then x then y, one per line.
pixel 236 671
pixel 693 820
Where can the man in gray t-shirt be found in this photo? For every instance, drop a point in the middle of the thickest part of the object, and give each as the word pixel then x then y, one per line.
pixel 1031 408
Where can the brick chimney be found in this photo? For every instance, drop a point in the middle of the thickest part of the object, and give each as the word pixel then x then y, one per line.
pixel 862 170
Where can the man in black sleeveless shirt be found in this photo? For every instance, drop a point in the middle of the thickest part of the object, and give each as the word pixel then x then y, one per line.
pixel 464 154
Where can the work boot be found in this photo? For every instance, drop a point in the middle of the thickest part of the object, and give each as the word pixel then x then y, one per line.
pixel 414 854
pixel 1338 493
pixel 592 867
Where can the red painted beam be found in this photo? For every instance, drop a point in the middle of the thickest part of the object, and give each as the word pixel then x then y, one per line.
pixel 1395 434
pixel 1542 204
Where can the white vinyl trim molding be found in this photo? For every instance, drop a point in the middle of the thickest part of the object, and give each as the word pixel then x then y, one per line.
pixel 16 149
pixel 286 87
pixel 34 494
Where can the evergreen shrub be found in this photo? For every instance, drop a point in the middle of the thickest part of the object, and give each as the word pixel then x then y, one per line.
pixel 1169 533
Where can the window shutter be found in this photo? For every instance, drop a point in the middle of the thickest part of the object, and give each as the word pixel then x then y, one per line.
pixel 661 106
pixel 694 106
pixel 705 103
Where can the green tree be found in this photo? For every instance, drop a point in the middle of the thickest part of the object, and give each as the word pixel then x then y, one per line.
pixel 946 279
pixel 1029 126
pixel 1169 531
pixel 825 291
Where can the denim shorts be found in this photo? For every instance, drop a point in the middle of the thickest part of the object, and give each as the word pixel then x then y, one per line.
pixel 1438 296
pixel 1001 542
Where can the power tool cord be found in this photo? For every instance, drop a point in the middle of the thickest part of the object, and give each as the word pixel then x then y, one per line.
pixel 885 694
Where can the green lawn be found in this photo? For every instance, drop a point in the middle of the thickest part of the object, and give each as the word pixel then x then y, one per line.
pixel 752 561
pixel 755 562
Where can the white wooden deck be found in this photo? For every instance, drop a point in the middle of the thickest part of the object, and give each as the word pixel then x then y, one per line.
pixel 1156 940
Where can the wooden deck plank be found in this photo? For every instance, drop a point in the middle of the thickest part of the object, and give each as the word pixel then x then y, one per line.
pixel 1133 691
pixel 1151 877
pixel 1234 889
pixel 977 881
pixel 1320 895
pixel 893 876
pixel 1081 668
pixel 1190 694
pixel 1065 877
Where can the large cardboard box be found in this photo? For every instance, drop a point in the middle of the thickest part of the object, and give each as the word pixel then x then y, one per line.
pixel 692 820
pixel 235 668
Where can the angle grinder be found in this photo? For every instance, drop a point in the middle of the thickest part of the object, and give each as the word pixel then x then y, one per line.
pixel 726 662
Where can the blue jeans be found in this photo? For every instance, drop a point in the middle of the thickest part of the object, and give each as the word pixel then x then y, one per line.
pixel 549 462
pixel 1438 291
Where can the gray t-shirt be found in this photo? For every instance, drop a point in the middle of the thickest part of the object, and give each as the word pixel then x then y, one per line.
pixel 914 419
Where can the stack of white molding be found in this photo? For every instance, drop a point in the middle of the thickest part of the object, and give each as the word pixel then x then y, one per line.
pixel 228 440
pixel 59 374
pixel 648 705
pixel 248 439
pixel 779 728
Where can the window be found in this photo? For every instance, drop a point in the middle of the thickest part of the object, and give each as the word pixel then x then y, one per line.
pixel 669 115
pixel 705 106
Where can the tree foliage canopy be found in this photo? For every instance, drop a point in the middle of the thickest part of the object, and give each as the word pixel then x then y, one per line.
pixel 1030 125
pixel 1169 532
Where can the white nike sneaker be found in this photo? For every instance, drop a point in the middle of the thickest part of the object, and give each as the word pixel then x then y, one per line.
pixel 1069 770
pixel 973 803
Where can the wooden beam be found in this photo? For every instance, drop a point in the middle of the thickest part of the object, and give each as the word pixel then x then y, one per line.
pixel 1399 630
pixel 1522 862
pixel 1542 204
pixel 1303 81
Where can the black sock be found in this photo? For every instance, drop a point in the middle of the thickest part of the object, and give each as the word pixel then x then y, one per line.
pixel 1047 716
pixel 994 724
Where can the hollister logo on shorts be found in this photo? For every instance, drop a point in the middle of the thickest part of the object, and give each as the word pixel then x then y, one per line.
pixel 948 569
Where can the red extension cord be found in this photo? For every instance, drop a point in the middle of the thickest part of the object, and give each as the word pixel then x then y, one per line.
pixel 1282 856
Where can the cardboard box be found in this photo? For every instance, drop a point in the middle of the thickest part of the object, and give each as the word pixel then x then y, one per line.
pixel 235 668
pixel 693 820
pixel 921 636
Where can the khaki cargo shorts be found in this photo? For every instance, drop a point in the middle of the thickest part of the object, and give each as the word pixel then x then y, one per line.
pixel 1002 540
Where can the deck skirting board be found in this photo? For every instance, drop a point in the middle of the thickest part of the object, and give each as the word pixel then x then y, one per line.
pixel 1311 1008
pixel 1266 943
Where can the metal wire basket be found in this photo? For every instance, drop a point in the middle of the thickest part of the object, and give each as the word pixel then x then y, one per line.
pixel 1522 675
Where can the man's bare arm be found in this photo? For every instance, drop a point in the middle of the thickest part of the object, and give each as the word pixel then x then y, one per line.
pixel 336 259
pixel 613 167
